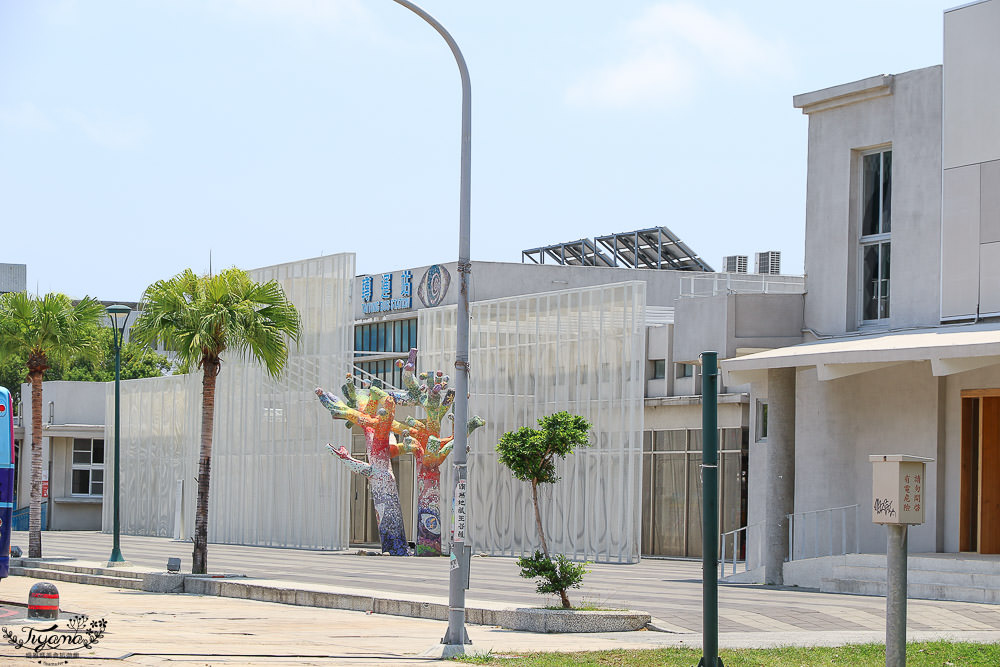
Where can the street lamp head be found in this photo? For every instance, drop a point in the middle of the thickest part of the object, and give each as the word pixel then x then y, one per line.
pixel 118 314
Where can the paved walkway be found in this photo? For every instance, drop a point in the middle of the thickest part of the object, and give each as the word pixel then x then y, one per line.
pixel 152 628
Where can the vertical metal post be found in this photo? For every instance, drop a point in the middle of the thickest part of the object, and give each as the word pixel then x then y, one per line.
pixel 115 312
pixel 843 532
pixel 895 598
pixel 710 511
pixel 456 636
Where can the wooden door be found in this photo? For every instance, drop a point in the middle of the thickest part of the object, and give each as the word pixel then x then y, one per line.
pixel 989 476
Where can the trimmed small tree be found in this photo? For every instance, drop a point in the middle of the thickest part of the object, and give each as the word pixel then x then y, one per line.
pixel 530 456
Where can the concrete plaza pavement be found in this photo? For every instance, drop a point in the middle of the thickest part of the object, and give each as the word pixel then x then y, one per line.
pixel 150 628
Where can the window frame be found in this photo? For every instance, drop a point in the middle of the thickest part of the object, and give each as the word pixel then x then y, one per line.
pixel 91 467
pixel 881 241
pixel 760 421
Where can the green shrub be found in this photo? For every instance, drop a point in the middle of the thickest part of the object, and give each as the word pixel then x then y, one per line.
pixel 555 575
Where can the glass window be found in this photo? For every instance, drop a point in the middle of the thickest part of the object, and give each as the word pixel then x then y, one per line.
pixel 876 224
pixel 88 467
pixel 761 421
pixel 659 369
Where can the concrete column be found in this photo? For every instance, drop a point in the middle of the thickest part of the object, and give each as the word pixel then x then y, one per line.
pixel 780 470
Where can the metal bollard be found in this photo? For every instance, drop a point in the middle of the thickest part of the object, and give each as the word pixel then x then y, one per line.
pixel 43 601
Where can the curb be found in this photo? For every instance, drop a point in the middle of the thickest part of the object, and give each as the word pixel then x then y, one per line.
pixel 241 587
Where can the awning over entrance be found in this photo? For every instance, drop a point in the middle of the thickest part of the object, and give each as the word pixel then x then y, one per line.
pixel 949 349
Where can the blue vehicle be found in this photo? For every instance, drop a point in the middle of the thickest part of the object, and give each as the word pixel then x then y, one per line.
pixel 6 479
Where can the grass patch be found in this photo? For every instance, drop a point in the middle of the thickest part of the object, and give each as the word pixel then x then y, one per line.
pixel 918 654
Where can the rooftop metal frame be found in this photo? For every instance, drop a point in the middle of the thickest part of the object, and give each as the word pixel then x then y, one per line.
pixel 653 248
pixel 574 253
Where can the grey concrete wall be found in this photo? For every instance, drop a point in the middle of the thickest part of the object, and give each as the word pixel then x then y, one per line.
pixel 658 347
pixel 756 472
pixel 769 316
pixel 727 323
pixel 702 324
pixel 674 417
pixel 74 403
pixel 972 84
pixel 971 161
pixel 840 422
pixel 907 117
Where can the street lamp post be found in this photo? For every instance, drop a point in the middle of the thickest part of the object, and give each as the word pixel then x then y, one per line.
pixel 119 318
pixel 456 637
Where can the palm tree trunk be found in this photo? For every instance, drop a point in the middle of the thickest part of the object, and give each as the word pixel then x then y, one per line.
pixel 199 559
pixel 538 517
pixel 35 510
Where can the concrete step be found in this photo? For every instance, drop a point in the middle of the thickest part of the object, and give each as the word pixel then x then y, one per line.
pixel 131 583
pixel 943 563
pixel 954 563
pixel 80 568
pixel 914 590
pixel 921 576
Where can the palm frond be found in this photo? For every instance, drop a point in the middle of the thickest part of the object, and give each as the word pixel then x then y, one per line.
pixel 202 317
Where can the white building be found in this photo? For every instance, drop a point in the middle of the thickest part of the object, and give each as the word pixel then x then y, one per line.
pixel 72 455
pixel 616 345
pixel 902 312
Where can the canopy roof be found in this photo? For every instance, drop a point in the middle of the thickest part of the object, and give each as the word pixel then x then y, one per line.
pixel 949 349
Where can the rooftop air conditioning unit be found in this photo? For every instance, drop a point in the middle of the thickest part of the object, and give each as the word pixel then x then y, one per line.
pixel 735 263
pixel 768 262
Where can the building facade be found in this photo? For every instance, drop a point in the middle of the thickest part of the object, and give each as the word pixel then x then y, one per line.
pixel 901 314
pixel 619 346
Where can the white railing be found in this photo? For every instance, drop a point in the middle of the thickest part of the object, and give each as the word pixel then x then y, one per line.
pixel 739 537
pixel 825 532
pixel 370 378
pixel 714 284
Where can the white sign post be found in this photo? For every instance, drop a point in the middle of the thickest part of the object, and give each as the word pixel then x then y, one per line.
pixel 898 500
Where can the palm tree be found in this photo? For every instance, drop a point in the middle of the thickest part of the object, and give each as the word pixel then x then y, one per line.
pixel 42 330
pixel 200 318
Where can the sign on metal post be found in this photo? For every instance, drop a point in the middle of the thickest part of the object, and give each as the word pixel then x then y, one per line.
pixel 897 502
pixel 460 515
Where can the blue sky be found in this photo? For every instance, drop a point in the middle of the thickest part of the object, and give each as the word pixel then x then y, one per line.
pixel 138 136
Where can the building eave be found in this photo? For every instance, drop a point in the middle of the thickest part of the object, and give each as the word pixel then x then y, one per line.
pixel 948 349
pixel 846 93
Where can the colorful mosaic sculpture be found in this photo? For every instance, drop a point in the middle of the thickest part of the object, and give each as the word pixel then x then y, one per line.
pixel 375 417
pixel 423 440
pixel 371 408
pixel 429 452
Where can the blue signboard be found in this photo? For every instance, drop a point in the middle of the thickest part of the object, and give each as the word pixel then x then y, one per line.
pixel 386 303
pixel 6 479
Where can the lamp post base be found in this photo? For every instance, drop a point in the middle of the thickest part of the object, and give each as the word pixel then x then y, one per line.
pixel 117 560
